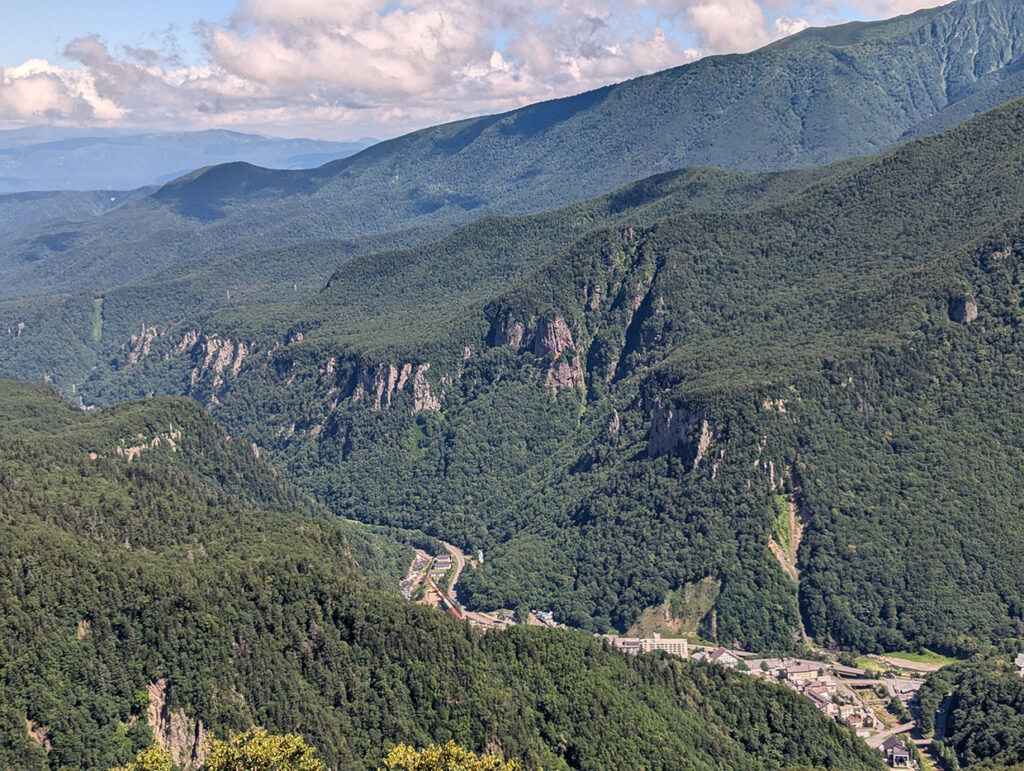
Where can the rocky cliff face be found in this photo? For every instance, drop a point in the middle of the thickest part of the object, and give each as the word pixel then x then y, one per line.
pixel 143 443
pixel 139 345
pixel 546 339
pixel 173 730
pixel 218 356
pixel 422 398
pixel 386 381
pixel 552 338
pixel 508 333
pixel 963 310
pixel 678 430
pixel 213 357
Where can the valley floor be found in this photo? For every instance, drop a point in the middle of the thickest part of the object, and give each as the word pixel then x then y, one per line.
pixel 862 698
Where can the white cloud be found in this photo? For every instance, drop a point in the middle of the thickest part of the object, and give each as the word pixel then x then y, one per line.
pixel 729 25
pixel 350 67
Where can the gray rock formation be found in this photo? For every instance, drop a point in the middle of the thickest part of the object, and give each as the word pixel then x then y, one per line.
pixel 422 398
pixel 679 431
pixel 173 730
pixel 963 310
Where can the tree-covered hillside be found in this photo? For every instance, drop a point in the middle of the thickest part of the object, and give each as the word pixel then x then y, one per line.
pixel 159 582
pixel 814 98
pixel 976 710
pixel 38 211
pixel 62 338
pixel 794 410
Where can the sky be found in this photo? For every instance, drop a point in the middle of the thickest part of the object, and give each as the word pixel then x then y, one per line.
pixel 344 69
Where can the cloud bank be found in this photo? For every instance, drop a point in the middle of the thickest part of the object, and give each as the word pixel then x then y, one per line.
pixel 341 68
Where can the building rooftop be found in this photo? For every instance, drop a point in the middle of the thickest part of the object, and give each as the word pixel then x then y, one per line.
pixel 894 743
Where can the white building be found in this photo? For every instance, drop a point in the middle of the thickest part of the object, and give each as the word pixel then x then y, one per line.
pixel 723 657
pixel 677 646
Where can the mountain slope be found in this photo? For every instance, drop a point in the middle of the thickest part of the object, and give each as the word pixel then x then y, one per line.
pixel 817 97
pixel 143 598
pixel 630 420
pixel 61 339
pixel 26 211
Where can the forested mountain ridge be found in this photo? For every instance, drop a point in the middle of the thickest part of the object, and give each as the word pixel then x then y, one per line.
pixel 817 97
pixel 62 338
pixel 629 423
pixel 143 599
pixel 24 211
pixel 177 435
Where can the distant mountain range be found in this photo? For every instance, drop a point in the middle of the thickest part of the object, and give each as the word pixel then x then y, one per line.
pixel 819 96
pixel 44 158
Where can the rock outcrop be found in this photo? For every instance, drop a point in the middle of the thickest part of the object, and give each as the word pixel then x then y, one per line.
pixel 507 333
pixel 546 339
pixel 173 730
pixel 565 373
pixel 679 431
pixel 387 380
pixel 133 451
pixel 218 357
pixel 963 310
pixel 422 398
pixel 40 734
pixel 139 345
pixel 187 342
pixel 552 338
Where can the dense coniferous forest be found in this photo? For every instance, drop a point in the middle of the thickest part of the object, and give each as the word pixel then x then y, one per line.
pixel 178 585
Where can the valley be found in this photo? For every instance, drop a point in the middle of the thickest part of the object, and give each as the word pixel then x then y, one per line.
pixel 192 557
pixel 542 411
pixel 879 703
pixel 670 425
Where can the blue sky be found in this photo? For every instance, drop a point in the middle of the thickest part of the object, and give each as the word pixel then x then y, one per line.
pixel 42 29
pixel 348 68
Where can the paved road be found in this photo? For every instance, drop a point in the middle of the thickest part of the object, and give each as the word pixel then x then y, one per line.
pixel 460 563
pixel 877 740
pixel 940 718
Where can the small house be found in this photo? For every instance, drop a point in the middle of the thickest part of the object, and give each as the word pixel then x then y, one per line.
pixel 896 753
pixel 723 657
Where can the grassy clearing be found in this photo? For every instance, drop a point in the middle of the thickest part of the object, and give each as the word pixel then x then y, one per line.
pixel 783 530
pixel 926 657
pixel 863 662
pixel 97 319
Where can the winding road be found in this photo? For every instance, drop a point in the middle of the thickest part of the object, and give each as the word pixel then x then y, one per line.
pixel 460 563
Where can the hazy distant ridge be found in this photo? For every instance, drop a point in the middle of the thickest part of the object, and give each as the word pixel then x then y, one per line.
pixel 43 158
